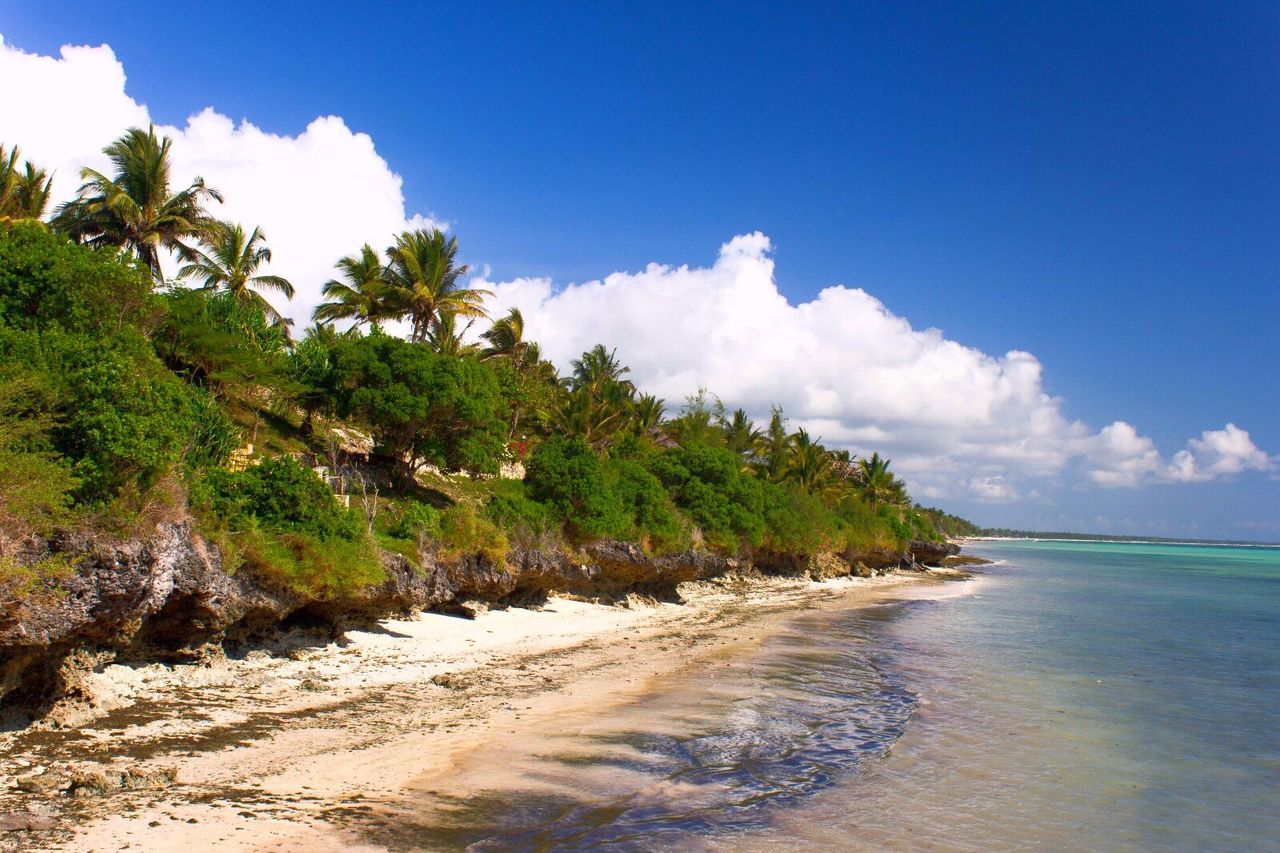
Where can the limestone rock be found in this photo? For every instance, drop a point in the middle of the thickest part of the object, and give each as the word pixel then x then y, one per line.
pixel 24 822
pixel 108 780
pixel 931 553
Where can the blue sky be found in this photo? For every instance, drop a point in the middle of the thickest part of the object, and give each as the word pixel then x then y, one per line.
pixel 1098 184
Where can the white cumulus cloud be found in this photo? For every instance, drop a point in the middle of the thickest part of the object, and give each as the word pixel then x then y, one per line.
pixel 957 421
pixel 317 195
pixel 1218 453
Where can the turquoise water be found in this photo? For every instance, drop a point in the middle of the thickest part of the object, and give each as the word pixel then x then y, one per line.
pixel 1086 696
pixel 1075 696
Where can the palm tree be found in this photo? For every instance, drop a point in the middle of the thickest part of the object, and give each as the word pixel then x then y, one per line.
pixel 771 452
pixel 506 341
pixel 876 483
pixel 23 194
pixel 8 171
pixel 599 368
pixel 32 192
pixel 230 263
pixel 424 280
pixel 134 209
pixel 646 413
pixel 360 295
pixel 808 463
pixel 446 338
pixel 740 434
pixel 595 419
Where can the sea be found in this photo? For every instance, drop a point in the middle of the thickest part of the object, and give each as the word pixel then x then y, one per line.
pixel 1071 696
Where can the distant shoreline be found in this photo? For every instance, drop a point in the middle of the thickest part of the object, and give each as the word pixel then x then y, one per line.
pixel 1107 540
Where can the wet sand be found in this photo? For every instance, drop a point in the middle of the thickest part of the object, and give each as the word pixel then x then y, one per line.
pixel 310 747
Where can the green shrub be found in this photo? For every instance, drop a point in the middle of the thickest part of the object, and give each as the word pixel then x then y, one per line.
pixel 864 528
pixel 36 484
pixel 422 406
pixel 48 282
pixel 282 522
pixel 654 519
pixel 213 434
pixel 279 494
pixel 41 581
pixel 708 483
pixel 417 521
pixel 524 519
pixel 797 522
pixel 566 475
pixel 327 569
pixel 121 418
pixel 465 531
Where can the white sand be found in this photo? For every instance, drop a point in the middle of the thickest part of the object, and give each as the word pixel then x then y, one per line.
pixel 280 752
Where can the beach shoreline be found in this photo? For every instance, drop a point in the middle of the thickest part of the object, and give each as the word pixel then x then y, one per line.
pixel 297 746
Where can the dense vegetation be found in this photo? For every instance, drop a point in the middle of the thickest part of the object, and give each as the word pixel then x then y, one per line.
pixel 128 397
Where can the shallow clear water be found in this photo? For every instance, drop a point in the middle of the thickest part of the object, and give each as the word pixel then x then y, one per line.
pixel 1081 696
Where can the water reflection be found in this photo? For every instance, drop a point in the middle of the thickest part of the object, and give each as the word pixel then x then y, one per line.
pixel 707 756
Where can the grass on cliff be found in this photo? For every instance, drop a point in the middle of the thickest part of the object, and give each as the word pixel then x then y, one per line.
pixel 41 581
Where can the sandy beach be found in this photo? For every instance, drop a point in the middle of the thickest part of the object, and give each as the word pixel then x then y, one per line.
pixel 299 746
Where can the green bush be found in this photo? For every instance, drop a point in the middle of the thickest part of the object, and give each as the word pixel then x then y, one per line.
pixel 323 568
pixel 417 521
pixel 36 484
pixel 121 418
pixel 40 582
pixel 280 494
pixel 566 475
pixel 282 522
pixel 524 519
pixel 422 406
pixel 48 282
pixel 708 483
pixel 654 519
pixel 213 434
pixel 863 528
pixel 799 523
pixel 465 531
pixel 223 343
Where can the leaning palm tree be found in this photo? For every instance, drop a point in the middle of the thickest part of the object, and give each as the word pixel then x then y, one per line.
pixel 24 194
pixel 506 341
pixel 134 208
pixel 360 295
pixel 229 262
pixel 424 280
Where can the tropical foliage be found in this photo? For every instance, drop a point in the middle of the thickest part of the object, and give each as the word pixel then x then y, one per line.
pixel 122 390
pixel 24 193
pixel 229 261
pixel 135 208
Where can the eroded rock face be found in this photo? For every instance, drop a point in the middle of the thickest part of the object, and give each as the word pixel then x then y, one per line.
pixel 931 553
pixel 168 598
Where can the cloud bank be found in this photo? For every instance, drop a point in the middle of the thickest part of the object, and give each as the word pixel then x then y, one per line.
pixel 317 195
pixel 958 422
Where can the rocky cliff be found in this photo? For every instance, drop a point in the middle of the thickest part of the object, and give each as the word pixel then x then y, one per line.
pixel 167 597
